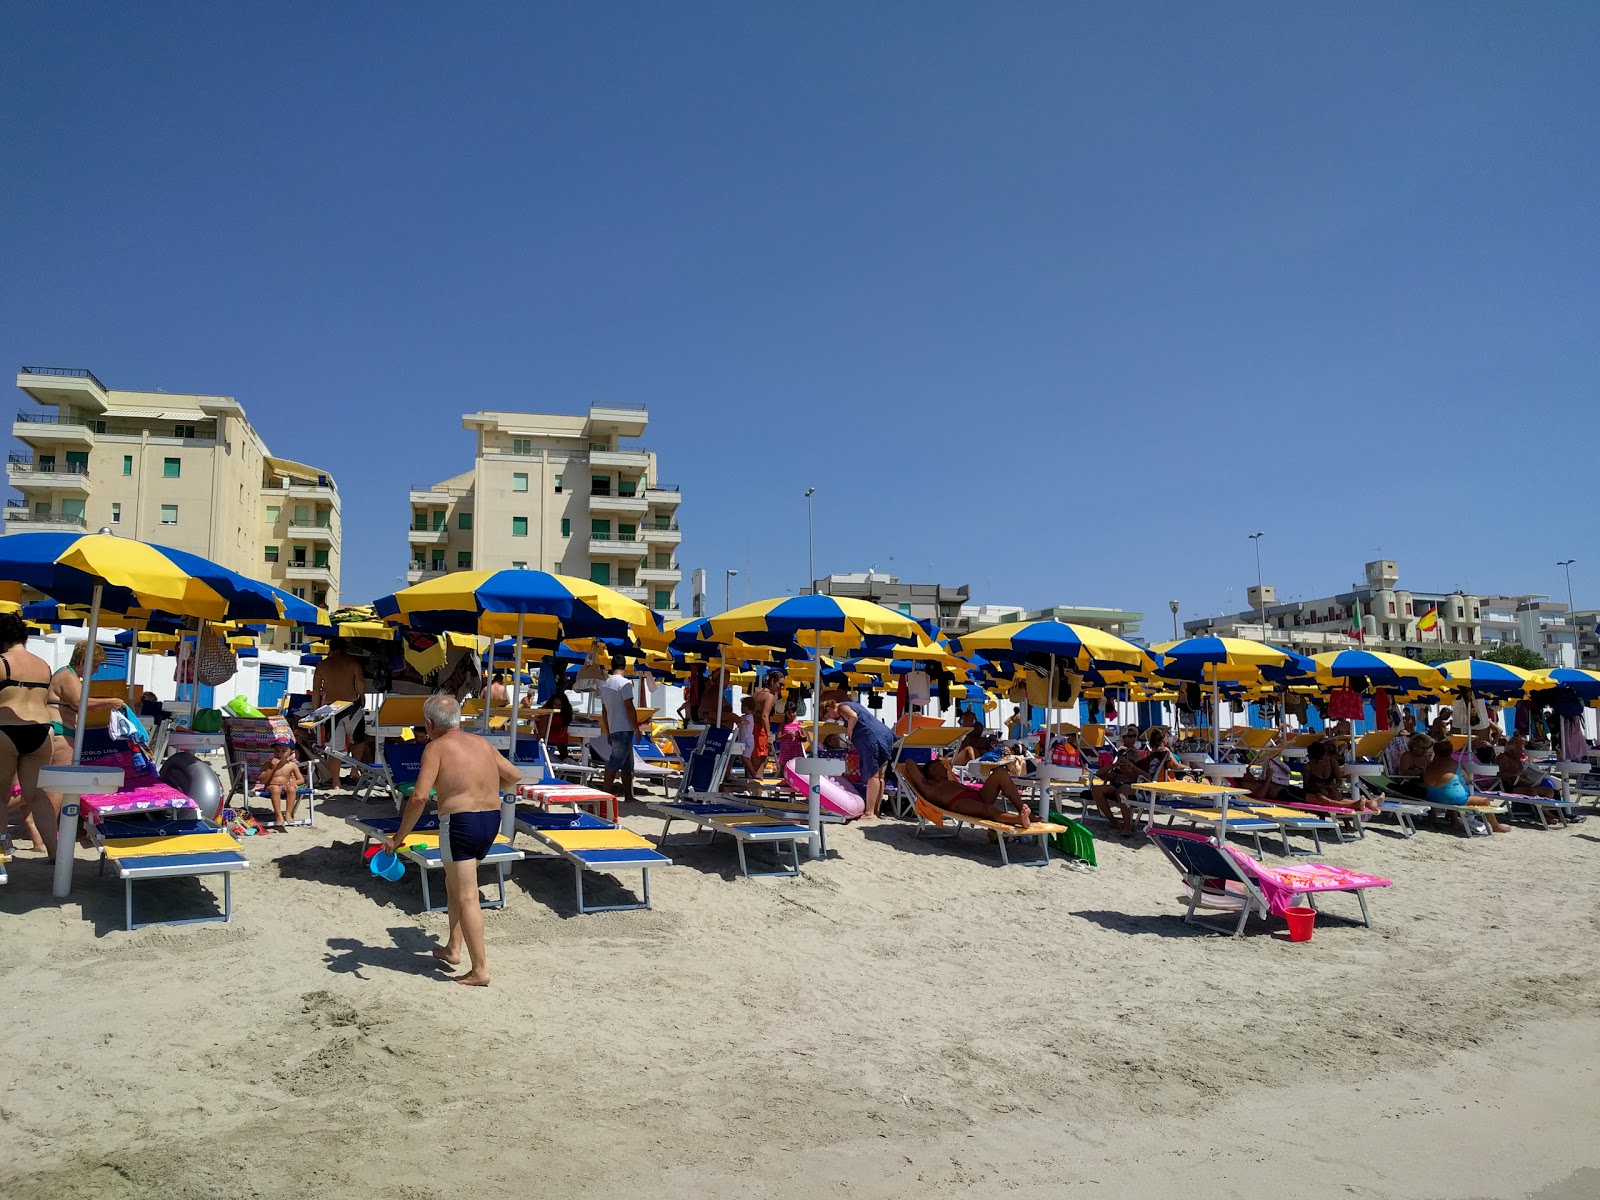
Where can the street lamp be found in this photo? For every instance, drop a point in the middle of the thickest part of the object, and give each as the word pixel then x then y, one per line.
pixel 1173 605
pixel 811 554
pixel 1566 565
pixel 1261 598
pixel 727 588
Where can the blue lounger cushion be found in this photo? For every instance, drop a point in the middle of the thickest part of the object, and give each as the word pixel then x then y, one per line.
pixel 619 858
pixel 538 818
pixel 715 810
pixel 221 859
pixel 123 828
pixel 427 823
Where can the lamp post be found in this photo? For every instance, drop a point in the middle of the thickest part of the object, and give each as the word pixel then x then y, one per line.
pixel 1261 599
pixel 727 588
pixel 1173 605
pixel 811 552
pixel 1566 565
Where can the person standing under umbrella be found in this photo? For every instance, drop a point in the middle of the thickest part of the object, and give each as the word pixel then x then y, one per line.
pixel 873 742
pixel 619 720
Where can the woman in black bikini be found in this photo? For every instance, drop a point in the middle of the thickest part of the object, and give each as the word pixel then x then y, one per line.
pixel 25 731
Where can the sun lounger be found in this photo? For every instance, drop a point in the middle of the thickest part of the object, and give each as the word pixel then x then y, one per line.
pixel 145 848
pixel 4 859
pixel 422 848
pixel 1222 876
pixel 542 787
pixel 591 844
pixel 1540 808
pixel 931 817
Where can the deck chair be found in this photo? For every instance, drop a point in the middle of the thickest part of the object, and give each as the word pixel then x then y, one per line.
pixel 141 848
pixel 422 849
pixel 542 787
pixel 1220 876
pixel 591 844
pixel 248 743
pixel 931 817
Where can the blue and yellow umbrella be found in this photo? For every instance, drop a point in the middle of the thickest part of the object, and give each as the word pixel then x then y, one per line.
pixel 1389 671
pixel 535 604
pixel 1586 684
pixel 1491 679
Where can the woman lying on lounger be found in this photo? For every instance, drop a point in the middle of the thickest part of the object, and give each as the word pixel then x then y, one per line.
pixel 933 784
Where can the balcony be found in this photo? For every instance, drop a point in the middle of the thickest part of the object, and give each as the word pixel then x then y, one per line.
pixel 636 460
pixel 656 536
pixel 664 496
pixel 611 548
pixel 669 614
pixel 21 520
pixel 642 595
pixel 428 537
pixel 304 572
pixel 68 387
pixel 622 420
pixel 634 505
pixel 312 533
pixel 304 489
pixel 667 575
pixel 27 474
pixel 438 494
pixel 53 428
pixel 417 574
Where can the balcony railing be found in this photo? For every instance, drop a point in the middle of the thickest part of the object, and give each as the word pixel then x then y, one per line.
pixel 20 464
pixel 65 373
pixel 38 418
pixel 21 516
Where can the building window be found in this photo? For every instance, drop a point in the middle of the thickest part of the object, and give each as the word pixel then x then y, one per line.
pixel 663 599
pixel 519 566
pixel 600 529
pixel 597 446
pixel 419 520
pixel 663 522
pixel 1475 612
pixel 419 560
pixel 627 487
pixel 274 511
pixel 463 560
pixel 599 485
pixel 522 445
pixel 438 560
pixel 440 517
pixel 1408 608
pixel 270 553
pixel 1386 628
pixel 600 573
pixel 566 527
pixel 1391 611
pixel 116 512
pixel 300 593
pixel 626 576
pixel 299 559
pixel 41 509
pixel 171 468
pixel 463 520
pixel 127 464
pixel 169 514
pixel 519 481
pixel 319 558
pixel 627 533
pixel 558 485
pixel 183 431
pixel 663 561
pixel 97 426
pixel 519 526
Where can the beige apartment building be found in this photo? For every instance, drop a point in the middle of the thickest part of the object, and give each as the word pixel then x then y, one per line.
pixel 554 493
pixel 179 470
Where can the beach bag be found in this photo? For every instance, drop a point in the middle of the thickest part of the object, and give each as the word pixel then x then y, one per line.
pixel 215 663
pixel 240 707
pixel 206 720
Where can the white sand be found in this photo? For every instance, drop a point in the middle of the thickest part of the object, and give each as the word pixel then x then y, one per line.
pixel 906 1019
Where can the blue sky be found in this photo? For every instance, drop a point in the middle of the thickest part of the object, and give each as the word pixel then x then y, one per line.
pixel 1062 301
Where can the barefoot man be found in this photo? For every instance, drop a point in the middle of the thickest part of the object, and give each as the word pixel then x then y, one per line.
pixel 933 784
pixel 340 676
pixel 468 774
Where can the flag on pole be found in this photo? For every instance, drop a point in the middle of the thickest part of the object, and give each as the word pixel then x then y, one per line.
pixel 1355 623
pixel 1430 618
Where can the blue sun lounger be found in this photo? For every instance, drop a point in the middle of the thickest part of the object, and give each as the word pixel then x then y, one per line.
pixel 426 835
pixel 171 849
pixel 590 843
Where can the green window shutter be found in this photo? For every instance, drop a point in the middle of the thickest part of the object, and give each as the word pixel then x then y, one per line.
pixel 519 526
pixel 171 468
pixel 600 573
pixel 663 599
pixel 566 527
pixel 464 520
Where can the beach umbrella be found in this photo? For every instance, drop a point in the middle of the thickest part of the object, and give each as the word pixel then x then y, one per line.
pixel 1586 684
pixel 523 603
pixel 840 623
pixel 1389 671
pixel 1237 660
pixel 1481 677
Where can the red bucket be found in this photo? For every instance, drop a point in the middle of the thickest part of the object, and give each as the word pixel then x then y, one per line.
pixel 1301 921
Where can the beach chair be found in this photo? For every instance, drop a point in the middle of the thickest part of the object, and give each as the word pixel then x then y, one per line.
pixel 700 803
pixel 1220 876
pixel 422 849
pixel 146 847
pixel 921 744
pixel 591 844
pixel 248 744
pixel 931 817
pixel 541 786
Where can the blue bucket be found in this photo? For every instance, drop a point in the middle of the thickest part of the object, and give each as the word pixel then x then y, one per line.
pixel 386 865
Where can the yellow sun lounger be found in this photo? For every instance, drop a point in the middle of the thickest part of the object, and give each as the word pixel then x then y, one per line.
pixel 174 853
pixel 591 844
pixel 931 816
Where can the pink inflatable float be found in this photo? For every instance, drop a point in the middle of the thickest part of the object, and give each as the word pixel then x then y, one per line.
pixel 837 797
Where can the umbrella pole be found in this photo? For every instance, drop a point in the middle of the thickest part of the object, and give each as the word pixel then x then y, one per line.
pixel 1044 758
pixel 516 684
pixel 83 688
pixel 1216 718
pixel 814 784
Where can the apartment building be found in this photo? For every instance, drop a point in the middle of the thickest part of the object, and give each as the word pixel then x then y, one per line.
pixel 939 602
pixel 1389 618
pixel 557 493
pixel 180 470
pixel 1120 621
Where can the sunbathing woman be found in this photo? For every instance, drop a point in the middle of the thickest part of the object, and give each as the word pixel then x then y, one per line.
pixel 1117 780
pixel 1321 775
pixel 1409 766
pixel 1275 782
pixel 933 784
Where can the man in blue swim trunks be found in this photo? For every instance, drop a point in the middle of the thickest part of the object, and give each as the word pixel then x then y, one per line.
pixel 468 775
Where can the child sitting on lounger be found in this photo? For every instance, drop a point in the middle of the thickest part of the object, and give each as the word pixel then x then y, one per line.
pixel 933 784
pixel 280 779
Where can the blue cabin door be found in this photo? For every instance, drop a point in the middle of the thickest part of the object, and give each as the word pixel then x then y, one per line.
pixel 273 685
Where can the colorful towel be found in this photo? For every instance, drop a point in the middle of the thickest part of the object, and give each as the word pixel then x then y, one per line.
pixel 140 798
pixel 1280 885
